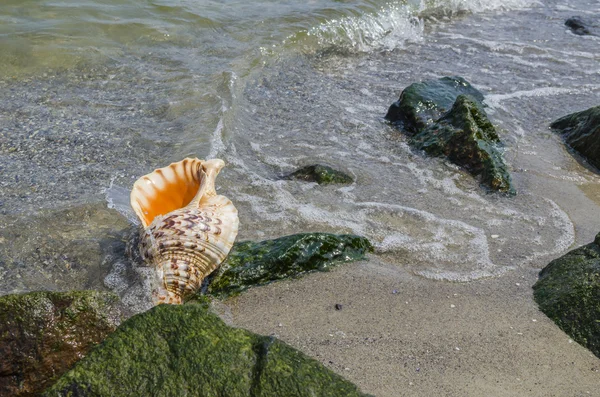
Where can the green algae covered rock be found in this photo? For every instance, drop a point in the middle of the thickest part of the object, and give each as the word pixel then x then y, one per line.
pixel 466 137
pixel 250 263
pixel 42 334
pixel 321 174
pixel 581 131
pixel 184 350
pixel 568 291
pixel 445 117
pixel 420 104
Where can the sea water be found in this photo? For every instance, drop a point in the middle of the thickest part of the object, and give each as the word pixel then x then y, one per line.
pixel 95 93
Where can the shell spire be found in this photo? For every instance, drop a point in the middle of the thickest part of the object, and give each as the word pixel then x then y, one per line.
pixel 188 228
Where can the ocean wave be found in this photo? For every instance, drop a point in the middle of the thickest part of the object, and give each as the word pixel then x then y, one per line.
pixel 393 24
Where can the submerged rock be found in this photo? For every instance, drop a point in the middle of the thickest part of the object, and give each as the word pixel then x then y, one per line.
pixel 250 263
pixel 42 334
pixel 321 174
pixel 420 104
pixel 568 291
pixel 583 26
pixel 581 131
pixel 446 118
pixel 186 350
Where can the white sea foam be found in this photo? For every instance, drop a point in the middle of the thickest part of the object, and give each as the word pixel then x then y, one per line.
pixel 117 198
pixel 386 29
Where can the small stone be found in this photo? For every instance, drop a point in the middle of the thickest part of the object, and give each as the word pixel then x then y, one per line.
pixel 452 306
pixel 494 236
pixel 338 306
pixel 395 291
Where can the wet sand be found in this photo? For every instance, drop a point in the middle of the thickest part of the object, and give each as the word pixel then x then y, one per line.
pixel 401 335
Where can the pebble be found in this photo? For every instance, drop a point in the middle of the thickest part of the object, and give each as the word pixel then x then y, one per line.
pixel 338 306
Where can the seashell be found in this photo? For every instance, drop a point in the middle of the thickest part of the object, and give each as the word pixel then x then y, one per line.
pixel 188 229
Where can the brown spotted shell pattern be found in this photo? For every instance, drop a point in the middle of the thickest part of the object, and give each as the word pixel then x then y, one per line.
pixel 188 228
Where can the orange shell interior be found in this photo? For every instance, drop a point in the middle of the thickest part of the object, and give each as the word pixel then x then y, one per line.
pixel 166 189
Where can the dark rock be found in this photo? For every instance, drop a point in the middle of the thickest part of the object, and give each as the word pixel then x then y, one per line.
pixel 445 117
pixel 466 137
pixel 250 263
pixel 568 291
pixel 420 104
pixel 583 26
pixel 184 350
pixel 42 334
pixel 582 133
pixel 321 174
pixel 338 306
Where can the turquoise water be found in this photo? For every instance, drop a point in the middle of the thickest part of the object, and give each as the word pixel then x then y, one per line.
pixel 94 94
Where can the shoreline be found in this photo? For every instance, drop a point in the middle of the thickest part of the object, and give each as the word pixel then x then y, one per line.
pixel 484 337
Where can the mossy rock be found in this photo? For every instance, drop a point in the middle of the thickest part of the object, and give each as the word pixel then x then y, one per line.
pixel 568 291
pixel 581 131
pixel 466 137
pixel 321 174
pixel 42 334
pixel 421 104
pixel 445 117
pixel 256 263
pixel 184 350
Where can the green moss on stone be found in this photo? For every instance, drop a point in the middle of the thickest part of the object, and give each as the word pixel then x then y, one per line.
pixel 420 104
pixel 568 291
pixel 250 263
pixel 466 137
pixel 321 174
pixel 445 117
pixel 42 334
pixel 581 131
pixel 185 350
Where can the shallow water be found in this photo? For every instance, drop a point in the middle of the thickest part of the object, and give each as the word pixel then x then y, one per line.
pixel 97 93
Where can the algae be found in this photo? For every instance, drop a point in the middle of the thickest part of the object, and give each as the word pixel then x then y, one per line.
pixel 568 292
pixel 184 350
pixel 42 334
pixel 250 263
pixel 321 174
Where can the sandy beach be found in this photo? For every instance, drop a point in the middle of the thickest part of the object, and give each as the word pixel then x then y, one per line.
pixel 401 335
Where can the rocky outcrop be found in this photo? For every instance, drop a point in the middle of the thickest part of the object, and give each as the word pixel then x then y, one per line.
pixel 581 132
pixel 42 334
pixel 421 104
pixel 256 263
pixel 445 117
pixel 185 350
pixel 568 291
pixel 321 174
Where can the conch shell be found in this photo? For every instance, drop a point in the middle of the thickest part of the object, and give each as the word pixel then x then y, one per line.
pixel 188 228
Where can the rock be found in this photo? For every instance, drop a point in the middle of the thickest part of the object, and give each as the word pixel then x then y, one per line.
pixel 42 334
pixel 420 104
pixel 250 263
pixel 321 174
pixel 583 26
pixel 466 137
pixel 581 131
pixel 185 350
pixel 568 291
pixel 445 117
